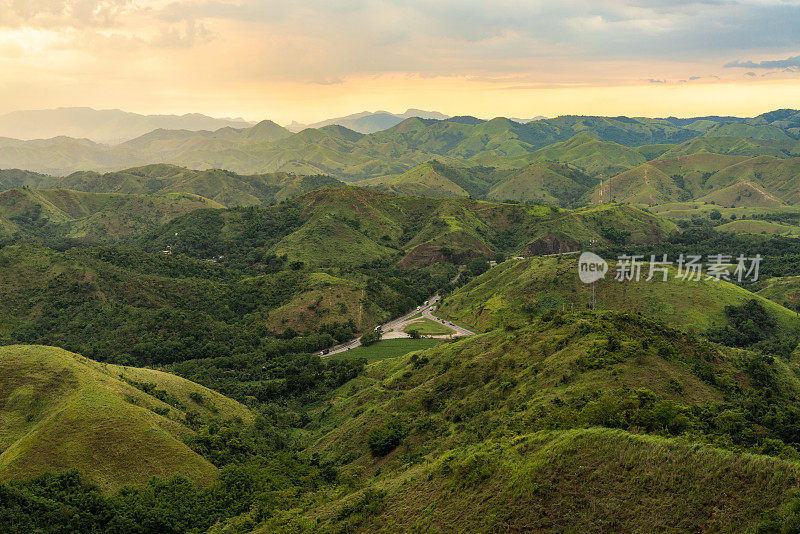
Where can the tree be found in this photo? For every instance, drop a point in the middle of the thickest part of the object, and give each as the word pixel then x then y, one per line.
pixel 384 439
pixel 371 337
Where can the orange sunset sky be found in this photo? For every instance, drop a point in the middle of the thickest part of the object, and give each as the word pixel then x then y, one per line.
pixel 307 60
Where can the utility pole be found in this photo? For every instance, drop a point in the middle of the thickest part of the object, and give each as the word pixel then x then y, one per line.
pixel 592 243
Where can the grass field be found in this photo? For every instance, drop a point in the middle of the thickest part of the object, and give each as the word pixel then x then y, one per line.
pixel 760 227
pixel 689 210
pixel 477 463
pixel 388 348
pixel 117 425
pixel 427 327
pixel 514 291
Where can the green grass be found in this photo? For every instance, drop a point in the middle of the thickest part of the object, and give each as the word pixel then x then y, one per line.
pixel 427 327
pixel 63 411
pixel 582 480
pixel 351 226
pixel 592 155
pixel 498 429
pixel 514 291
pixel 759 227
pixel 92 216
pixel 783 290
pixel 693 209
pixel 724 180
pixel 387 348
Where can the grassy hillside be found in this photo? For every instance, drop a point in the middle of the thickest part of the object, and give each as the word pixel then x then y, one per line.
pixel 12 178
pixel 784 290
pixel 50 214
pixel 583 421
pixel 225 187
pixel 583 480
pixel 773 179
pixel 517 289
pixel 354 226
pixel 544 182
pixel 431 230
pixel 123 305
pixel 665 179
pixel 760 227
pixel 739 146
pixel 592 155
pixel 436 179
pixel 676 211
pixel 117 425
pixel 730 181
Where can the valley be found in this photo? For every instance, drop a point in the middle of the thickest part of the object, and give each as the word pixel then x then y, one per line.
pixel 254 330
pixel 399 267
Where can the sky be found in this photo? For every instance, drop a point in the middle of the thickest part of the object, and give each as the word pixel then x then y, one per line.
pixel 310 60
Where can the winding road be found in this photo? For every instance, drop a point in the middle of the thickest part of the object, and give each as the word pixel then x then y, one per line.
pixel 394 328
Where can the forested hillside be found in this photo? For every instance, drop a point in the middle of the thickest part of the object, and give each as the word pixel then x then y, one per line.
pixel 180 344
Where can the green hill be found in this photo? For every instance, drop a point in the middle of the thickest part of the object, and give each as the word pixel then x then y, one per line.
pixel 540 182
pixel 576 480
pixel 545 182
pixel 118 304
pixel 117 425
pixel 353 226
pixel 578 422
pixel 335 150
pixel 224 187
pixel 12 178
pixel 60 155
pixel 783 290
pixel 592 155
pixel 772 179
pixel 518 289
pixel 752 226
pixel 61 213
pixel 424 180
pixel 737 146
pixel 730 181
pixel 766 131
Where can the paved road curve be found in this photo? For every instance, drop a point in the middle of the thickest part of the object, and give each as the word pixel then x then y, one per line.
pixel 394 328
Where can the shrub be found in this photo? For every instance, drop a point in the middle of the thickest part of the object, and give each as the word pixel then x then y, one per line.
pixel 384 439
pixel 370 503
pixel 370 338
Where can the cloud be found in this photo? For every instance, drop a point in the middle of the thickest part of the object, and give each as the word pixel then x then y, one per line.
pixel 259 44
pixel 790 63
pixel 312 40
pixel 327 81
pixel 64 13
pixel 191 34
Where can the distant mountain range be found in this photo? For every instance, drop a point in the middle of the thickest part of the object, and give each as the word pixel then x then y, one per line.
pixel 733 162
pixel 217 186
pixel 368 122
pixel 102 126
